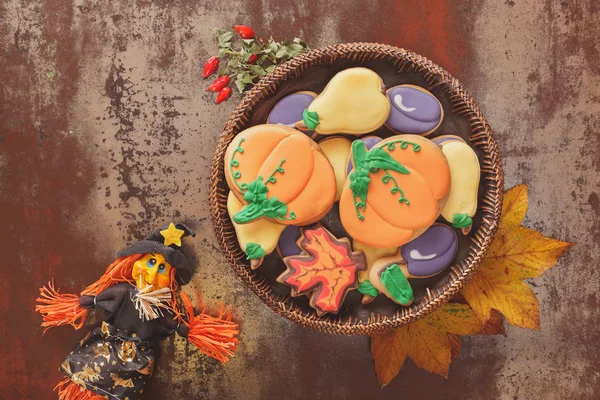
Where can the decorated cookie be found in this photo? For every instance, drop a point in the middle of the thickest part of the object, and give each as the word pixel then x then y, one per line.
pixel 388 278
pixel 353 102
pixel 439 140
pixel 414 110
pixel 288 242
pixel 369 142
pixel 426 256
pixel 258 238
pixel 337 149
pixel 289 110
pixel 395 191
pixel 372 254
pixel 279 174
pixel 327 270
pixel 430 253
pixel 464 170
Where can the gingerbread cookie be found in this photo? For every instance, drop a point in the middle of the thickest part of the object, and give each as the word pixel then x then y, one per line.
pixel 465 173
pixel 258 238
pixel 414 110
pixel 279 174
pixel 354 102
pixel 337 149
pixel 327 270
pixel 289 110
pixel 395 192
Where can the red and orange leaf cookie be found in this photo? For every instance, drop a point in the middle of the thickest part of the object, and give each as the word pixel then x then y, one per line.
pixel 280 174
pixel 329 269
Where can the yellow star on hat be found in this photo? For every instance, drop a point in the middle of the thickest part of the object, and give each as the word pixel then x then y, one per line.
pixel 172 235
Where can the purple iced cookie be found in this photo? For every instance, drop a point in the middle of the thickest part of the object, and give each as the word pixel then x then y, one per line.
pixel 414 110
pixel 446 138
pixel 287 241
pixel 431 252
pixel 369 142
pixel 289 110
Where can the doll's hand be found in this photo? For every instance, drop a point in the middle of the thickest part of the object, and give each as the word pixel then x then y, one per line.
pixel 183 330
pixel 86 301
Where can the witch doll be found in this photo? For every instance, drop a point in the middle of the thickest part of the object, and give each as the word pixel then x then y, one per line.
pixel 139 293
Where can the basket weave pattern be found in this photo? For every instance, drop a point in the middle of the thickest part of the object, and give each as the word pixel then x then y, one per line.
pixel 489 207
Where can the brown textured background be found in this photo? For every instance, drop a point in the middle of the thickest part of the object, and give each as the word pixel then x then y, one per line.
pixel 106 131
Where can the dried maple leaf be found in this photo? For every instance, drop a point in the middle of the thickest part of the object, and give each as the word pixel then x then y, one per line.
pixel 516 253
pixel 425 341
pixel 329 270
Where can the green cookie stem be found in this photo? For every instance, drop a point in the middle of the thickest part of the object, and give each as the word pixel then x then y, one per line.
pixel 397 285
pixel 311 119
pixel 367 288
pixel 462 221
pixel 254 251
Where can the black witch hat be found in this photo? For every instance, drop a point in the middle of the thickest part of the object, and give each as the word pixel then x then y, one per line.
pixel 166 241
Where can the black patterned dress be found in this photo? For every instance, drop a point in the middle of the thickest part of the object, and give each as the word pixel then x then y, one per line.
pixel 116 359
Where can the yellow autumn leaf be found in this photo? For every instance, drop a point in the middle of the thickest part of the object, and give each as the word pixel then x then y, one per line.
pixel 425 341
pixel 496 289
pixel 514 206
pixel 516 253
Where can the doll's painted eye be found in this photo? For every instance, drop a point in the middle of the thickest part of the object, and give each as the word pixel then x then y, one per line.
pixel 161 268
pixel 151 263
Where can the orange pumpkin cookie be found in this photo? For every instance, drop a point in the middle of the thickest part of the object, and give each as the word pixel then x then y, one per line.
pixel 395 191
pixel 328 270
pixel 280 174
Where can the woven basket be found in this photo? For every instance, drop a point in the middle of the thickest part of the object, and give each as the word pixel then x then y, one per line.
pixel 311 71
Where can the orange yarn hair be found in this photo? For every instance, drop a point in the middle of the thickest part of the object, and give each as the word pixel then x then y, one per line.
pixel 63 309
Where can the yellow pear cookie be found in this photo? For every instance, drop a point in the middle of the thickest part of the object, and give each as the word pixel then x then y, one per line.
pixel 258 238
pixel 465 173
pixel 280 174
pixel 387 277
pixel 354 101
pixel 337 149
pixel 395 191
pixel 372 254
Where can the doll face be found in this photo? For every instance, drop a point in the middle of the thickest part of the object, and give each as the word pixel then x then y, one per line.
pixel 151 270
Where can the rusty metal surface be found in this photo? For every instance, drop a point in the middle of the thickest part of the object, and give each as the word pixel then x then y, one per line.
pixel 106 131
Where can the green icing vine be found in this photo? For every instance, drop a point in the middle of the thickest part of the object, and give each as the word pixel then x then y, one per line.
pixel 396 189
pixel 391 146
pixel 259 205
pixel 271 178
pixel 371 162
pixel 235 163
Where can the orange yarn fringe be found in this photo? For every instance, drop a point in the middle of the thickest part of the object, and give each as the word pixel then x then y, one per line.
pixel 59 309
pixel 214 336
pixel 69 390
pixel 118 271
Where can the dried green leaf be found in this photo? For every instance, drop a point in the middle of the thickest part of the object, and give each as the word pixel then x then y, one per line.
pixel 225 39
